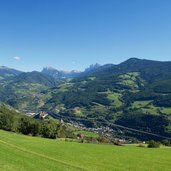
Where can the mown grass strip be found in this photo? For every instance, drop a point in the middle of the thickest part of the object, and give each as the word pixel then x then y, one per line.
pixel 45 156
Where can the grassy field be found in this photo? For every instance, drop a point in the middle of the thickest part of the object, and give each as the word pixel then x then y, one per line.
pixel 88 134
pixel 114 97
pixel 25 153
pixel 140 104
pixel 150 108
pixel 64 87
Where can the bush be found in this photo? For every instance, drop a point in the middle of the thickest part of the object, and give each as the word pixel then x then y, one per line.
pixel 153 144
pixel 141 145
pixel 102 140
pixel 117 143
pixel 166 142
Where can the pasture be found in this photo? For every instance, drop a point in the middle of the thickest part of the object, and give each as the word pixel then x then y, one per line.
pixel 26 153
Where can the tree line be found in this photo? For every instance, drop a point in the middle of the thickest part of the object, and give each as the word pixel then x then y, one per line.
pixel 10 120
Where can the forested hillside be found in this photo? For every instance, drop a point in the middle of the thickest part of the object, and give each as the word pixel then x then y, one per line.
pixel 23 91
pixel 135 94
pixel 10 120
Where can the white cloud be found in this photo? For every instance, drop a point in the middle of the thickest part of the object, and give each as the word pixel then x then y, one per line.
pixel 17 58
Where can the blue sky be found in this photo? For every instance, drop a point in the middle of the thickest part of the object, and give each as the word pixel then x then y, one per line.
pixel 72 34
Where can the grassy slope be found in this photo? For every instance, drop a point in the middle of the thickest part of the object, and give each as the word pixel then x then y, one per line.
pixel 147 106
pixel 24 153
pixel 114 98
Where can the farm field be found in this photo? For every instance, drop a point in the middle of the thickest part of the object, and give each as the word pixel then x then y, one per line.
pixel 26 153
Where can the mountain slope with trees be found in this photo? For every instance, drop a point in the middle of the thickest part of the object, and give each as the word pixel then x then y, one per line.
pixel 24 90
pixel 10 120
pixel 129 93
pixel 133 94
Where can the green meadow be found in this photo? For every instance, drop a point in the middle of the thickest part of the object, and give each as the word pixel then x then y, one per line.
pixel 26 153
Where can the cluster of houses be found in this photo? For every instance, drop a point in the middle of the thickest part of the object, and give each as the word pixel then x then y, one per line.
pixel 103 131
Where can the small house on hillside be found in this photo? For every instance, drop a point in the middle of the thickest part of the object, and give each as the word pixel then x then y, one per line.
pixel 80 136
pixel 43 115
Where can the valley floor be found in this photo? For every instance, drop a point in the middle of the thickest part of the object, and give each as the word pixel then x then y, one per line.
pixel 26 153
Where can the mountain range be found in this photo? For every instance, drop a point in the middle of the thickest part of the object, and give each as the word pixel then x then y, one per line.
pixel 74 73
pixel 6 72
pixel 134 94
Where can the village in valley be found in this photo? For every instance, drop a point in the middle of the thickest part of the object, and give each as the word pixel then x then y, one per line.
pixel 102 131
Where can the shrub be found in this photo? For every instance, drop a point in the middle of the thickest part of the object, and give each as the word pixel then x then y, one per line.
pixel 102 140
pixel 166 142
pixel 141 145
pixel 153 144
pixel 117 143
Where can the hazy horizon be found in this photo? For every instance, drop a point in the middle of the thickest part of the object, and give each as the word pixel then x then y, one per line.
pixel 62 69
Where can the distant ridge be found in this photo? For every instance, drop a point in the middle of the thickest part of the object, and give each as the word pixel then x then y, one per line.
pixel 7 72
